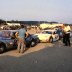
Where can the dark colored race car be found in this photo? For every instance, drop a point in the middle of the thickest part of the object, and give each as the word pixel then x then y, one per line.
pixel 31 40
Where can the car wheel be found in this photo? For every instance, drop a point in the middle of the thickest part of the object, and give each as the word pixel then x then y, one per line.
pixel 37 41
pixel 2 49
pixel 51 40
pixel 33 43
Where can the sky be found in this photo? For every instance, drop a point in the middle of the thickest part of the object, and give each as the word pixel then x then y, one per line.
pixel 37 10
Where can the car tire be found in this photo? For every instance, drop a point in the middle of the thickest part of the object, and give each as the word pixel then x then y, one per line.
pixel 37 40
pixel 33 43
pixel 2 48
pixel 51 40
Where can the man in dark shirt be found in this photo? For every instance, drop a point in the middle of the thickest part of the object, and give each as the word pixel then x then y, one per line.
pixel 67 38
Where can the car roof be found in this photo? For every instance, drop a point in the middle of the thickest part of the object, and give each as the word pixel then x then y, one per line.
pixel 10 30
pixel 51 30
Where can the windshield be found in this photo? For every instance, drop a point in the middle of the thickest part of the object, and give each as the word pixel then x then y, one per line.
pixel 48 32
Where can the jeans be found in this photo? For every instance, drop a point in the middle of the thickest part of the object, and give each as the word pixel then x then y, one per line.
pixel 21 45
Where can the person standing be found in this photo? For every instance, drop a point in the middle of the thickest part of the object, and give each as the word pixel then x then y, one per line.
pixel 67 37
pixel 64 37
pixel 21 39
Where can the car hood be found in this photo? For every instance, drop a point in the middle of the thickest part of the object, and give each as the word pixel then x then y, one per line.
pixel 43 36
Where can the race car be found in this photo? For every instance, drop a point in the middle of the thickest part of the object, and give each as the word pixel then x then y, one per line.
pixel 7 40
pixel 48 36
pixel 31 40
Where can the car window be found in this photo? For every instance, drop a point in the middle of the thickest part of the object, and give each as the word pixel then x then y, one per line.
pixel 13 36
pixel 49 32
pixel 6 34
pixel 44 32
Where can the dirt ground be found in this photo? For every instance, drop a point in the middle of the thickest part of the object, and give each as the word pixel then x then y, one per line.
pixel 44 57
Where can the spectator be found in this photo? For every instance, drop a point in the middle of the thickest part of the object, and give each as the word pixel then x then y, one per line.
pixel 66 38
pixel 21 39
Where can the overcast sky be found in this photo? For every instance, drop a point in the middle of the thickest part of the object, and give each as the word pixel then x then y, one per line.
pixel 46 10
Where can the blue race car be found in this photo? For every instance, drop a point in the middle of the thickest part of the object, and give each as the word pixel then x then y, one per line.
pixel 7 40
pixel 31 40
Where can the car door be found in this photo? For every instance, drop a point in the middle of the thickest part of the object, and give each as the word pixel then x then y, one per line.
pixel 7 39
pixel 55 36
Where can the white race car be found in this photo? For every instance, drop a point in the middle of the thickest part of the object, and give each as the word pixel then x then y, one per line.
pixel 48 36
